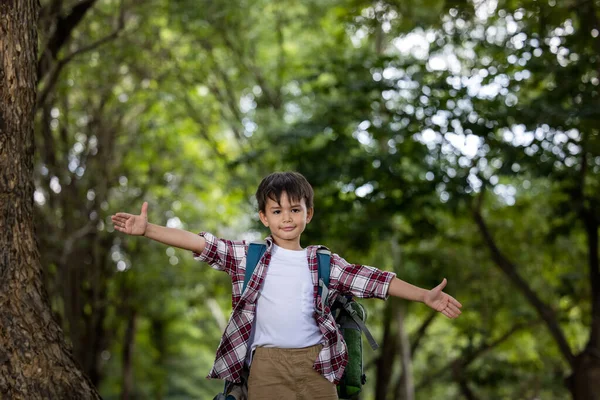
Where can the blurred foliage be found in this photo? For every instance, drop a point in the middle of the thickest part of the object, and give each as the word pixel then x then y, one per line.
pixel 401 114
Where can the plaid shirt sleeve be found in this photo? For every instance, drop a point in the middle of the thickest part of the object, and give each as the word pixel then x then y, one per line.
pixel 221 254
pixel 361 281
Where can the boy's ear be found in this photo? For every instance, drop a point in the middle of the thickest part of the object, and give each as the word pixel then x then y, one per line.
pixel 309 214
pixel 263 218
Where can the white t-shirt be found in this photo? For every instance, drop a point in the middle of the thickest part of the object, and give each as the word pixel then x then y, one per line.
pixel 285 305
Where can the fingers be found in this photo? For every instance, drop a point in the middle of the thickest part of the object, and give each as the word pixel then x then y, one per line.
pixel 119 225
pixel 451 306
pixel 120 218
pixel 122 215
pixel 144 209
pixel 118 228
pixel 453 309
pixel 120 221
pixel 454 301
pixel 451 313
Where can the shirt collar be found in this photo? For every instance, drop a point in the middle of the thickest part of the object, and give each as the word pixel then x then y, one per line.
pixel 310 250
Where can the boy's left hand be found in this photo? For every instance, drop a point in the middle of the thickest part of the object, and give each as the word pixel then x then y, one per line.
pixel 442 302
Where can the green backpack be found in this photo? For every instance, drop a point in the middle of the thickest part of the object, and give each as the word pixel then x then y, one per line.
pixel 350 317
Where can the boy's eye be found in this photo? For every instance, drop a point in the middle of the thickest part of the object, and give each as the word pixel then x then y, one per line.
pixel 276 212
pixel 296 210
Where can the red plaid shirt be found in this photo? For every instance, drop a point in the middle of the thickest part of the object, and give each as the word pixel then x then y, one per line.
pixel 230 256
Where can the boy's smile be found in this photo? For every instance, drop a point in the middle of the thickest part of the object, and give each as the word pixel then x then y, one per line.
pixel 286 220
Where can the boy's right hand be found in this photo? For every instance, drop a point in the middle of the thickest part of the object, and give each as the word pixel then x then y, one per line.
pixel 131 224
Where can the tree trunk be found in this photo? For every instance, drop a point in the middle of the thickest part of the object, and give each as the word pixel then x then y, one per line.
pixel 583 383
pixel 407 385
pixel 158 328
pixel 128 344
pixel 385 361
pixel 35 362
pixel 584 379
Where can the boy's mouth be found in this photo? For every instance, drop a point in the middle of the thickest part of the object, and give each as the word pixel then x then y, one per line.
pixel 288 228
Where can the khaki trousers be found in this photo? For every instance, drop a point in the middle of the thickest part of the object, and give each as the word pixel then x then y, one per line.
pixel 283 374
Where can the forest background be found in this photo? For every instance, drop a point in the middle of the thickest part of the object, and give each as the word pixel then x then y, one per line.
pixel 453 139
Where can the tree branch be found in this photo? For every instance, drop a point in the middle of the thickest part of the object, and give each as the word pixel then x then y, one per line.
pixel 420 333
pixel 62 33
pixel 57 68
pixel 464 360
pixel 510 270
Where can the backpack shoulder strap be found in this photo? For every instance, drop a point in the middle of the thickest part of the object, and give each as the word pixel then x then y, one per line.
pixel 347 305
pixel 324 262
pixel 255 253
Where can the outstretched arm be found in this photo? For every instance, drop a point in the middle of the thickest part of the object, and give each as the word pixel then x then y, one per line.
pixel 138 225
pixel 434 298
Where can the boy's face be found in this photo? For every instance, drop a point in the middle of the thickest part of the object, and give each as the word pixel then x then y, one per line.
pixel 286 220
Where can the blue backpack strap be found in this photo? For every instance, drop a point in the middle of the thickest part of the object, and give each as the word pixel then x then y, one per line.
pixel 255 253
pixel 324 261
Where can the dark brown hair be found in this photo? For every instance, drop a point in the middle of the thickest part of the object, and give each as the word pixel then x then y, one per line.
pixel 293 183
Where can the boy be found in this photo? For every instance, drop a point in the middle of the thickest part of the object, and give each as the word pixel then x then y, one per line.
pixel 278 325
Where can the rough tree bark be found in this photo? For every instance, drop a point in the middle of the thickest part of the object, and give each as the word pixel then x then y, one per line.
pixel 35 362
